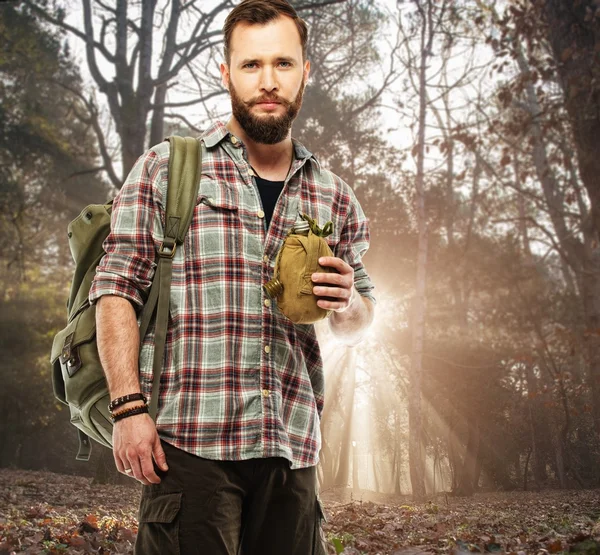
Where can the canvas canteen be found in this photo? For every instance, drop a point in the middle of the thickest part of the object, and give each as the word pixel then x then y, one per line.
pixel 296 261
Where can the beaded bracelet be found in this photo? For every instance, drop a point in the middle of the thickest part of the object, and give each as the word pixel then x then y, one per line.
pixel 129 412
pixel 119 401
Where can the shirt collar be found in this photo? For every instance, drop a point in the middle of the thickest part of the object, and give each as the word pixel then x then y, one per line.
pixel 217 132
pixel 214 134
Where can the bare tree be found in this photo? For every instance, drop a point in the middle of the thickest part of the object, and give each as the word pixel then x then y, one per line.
pixel 122 35
pixel 573 31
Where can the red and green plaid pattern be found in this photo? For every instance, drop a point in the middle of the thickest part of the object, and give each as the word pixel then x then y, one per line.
pixel 239 380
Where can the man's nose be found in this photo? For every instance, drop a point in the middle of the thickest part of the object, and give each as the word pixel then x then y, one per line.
pixel 268 80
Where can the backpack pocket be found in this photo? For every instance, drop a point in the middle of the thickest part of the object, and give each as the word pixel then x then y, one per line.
pixel 78 378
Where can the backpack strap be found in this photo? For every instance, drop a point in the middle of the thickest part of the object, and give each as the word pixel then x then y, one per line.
pixel 85 446
pixel 185 170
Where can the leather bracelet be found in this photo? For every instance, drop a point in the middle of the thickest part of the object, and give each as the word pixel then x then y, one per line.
pixel 129 412
pixel 119 401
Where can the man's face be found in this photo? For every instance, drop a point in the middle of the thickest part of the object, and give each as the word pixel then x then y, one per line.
pixel 266 78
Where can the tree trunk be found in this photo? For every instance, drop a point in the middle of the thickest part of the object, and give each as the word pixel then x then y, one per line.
pixel 397 459
pixel 158 116
pixel 535 411
pixel 415 449
pixel 435 462
pixel 132 137
pixel 328 475
pixel 582 257
pixel 342 477
pixel 106 471
pixel 478 469
pixel 467 474
pixel 375 473
pixel 453 458
pixel 574 38
pixel 590 289
pixel 355 484
pixel 560 463
pixel 526 471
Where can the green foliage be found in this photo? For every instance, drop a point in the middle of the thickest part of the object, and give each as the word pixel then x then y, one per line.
pixel 340 541
pixel 45 150
pixel 42 137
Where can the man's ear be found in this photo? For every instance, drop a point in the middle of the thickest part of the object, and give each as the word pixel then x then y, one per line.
pixel 225 75
pixel 306 72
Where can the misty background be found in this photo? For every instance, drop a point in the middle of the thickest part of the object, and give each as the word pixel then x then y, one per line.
pixel 468 130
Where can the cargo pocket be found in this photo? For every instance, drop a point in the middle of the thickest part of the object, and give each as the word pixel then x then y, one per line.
pixel 319 541
pixel 158 532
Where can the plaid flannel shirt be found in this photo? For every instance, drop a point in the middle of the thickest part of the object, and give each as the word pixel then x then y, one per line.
pixel 239 380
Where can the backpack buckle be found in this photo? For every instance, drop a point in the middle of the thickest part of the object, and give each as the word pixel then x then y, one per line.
pixel 167 251
pixel 65 354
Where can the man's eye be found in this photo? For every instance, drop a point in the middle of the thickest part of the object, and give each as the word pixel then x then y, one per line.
pixel 250 65
pixel 285 64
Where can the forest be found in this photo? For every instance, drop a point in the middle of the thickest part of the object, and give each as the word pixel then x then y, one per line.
pixel 468 131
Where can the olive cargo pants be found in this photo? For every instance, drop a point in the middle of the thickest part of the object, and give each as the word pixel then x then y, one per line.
pixel 206 507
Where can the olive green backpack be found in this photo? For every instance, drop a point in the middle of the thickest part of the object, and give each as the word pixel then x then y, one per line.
pixel 77 376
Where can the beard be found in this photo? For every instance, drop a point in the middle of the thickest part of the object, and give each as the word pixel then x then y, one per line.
pixel 268 129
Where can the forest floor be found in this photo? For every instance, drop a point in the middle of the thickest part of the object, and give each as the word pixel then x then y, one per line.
pixel 44 513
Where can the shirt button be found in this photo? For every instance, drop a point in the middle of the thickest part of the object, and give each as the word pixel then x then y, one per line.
pixel 234 140
pixel 267 349
pixel 267 302
pixel 265 258
pixel 260 214
pixel 265 393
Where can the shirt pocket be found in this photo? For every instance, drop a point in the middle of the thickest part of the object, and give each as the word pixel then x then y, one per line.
pixel 217 195
pixel 213 243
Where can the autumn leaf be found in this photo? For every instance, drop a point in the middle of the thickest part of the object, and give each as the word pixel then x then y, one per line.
pixel 566 54
pixel 554 546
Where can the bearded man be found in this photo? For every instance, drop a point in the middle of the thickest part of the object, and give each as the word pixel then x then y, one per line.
pixel 229 466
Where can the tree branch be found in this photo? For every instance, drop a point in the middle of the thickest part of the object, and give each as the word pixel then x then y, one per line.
pixel 89 47
pixel 93 121
pixel 189 102
pixel 304 7
pixel 86 172
pixel 62 25
pixel 185 120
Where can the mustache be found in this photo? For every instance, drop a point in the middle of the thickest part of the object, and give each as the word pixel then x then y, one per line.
pixel 267 99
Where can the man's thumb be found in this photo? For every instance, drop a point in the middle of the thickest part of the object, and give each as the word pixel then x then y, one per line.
pixel 159 455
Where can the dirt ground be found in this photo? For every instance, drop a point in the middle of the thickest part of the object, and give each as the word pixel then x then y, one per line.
pixel 43 513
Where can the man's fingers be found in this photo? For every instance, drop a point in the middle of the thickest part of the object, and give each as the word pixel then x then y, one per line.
pixel 336 292
pixel 330 305
pixel 159 454
pixel 337 263
pixel 148 469
pixel 134 464
pixel 329 277
pixel 119 463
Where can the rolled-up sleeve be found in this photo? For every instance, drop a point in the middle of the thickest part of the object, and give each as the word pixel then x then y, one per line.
pixel 352 246
pixel 129 264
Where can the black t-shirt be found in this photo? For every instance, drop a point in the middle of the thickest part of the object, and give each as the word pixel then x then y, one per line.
pixel 269 193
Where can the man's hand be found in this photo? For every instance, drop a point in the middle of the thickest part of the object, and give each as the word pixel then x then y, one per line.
pixel 339 286
pixel 135 444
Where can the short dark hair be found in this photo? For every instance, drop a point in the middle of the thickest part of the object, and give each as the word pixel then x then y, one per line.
pixel 260 12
